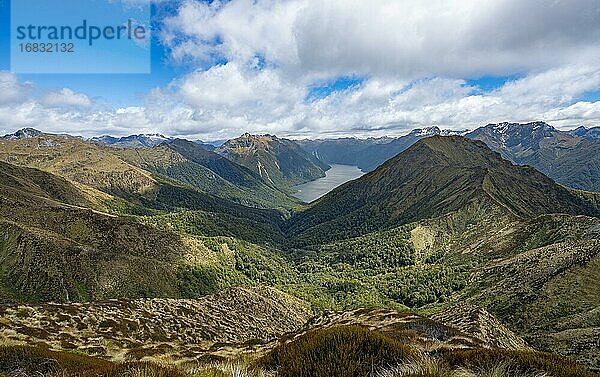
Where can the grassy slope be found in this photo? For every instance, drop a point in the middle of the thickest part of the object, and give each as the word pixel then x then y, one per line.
pixel 393 344
pixel 78 161
pixel 195 170
pixel 538 276
pixel 51 250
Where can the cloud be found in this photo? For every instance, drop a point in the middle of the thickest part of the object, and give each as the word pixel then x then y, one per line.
pixel 65 98
pixel 237 30
pixel 12 91
pixel 227 100
pixel 405 38
pixel 251 65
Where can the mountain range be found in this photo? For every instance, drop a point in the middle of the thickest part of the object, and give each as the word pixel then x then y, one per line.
pixel 456 251
pixel 590 134
pixel 368 154
pixel 568 157
pixel 434 177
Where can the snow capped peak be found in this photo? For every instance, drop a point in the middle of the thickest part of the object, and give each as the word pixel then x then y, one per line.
pixel 435 130
pixel 25 133
pixel 454 133
pixel 424 132
pixel 141 140
pixel 501 128
pixel 505 128
pixel 154 136
pixel 541 126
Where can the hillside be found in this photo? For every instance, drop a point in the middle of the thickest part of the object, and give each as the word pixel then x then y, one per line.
pixel 436 176
pixel 259 319
pixel 570 158
pixel 54 247
pixel 279 162
pixel 548 295
pixel 346 151
pixel 133 190
pixel 78 161
pixel 190 164
pixel 216 325
pixel 266 333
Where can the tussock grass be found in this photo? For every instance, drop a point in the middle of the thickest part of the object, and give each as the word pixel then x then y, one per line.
pixel 349 351
pixel 518 363
pixel 340 351
pixel 427 366
pixel 423 366
pixel 237 369
pixel 30 361
pixel 141 369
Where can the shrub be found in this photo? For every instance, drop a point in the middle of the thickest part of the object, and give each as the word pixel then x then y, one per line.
pixel 36 361
pixel 345 351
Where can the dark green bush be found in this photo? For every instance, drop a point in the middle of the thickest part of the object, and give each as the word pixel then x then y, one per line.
pixel 36 361
pixel 341 351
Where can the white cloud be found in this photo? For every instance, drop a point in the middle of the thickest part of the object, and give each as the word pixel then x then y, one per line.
pixel 65 98
pixel 11 90
pixel 400 38
pixel 230 99
pixel 415 57
pixel 245 28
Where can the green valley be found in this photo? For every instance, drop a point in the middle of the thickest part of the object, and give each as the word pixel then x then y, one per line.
pixel 445 223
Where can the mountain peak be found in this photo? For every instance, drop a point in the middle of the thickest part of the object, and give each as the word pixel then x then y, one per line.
pixel 434 177
pixel 280 162
pixel 508 127
pixel 434 130
pixel 252 138
pixel 426 131
pixel 24 133
pixel 133 141
pixel 591 134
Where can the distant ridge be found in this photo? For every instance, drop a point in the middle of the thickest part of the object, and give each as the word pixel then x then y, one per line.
pixel 31 133
pixel 368 154
pixel 132 141
pixel 591 134
pixel 570 158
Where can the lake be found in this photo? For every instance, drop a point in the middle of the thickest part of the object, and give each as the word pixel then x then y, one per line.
pixel 334 177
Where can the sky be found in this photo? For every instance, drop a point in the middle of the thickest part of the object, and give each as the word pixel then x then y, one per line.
pixel 328 68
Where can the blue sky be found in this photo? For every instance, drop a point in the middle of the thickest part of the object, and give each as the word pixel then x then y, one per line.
pixel 130 89
pixel 337 67
pixel 113 89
